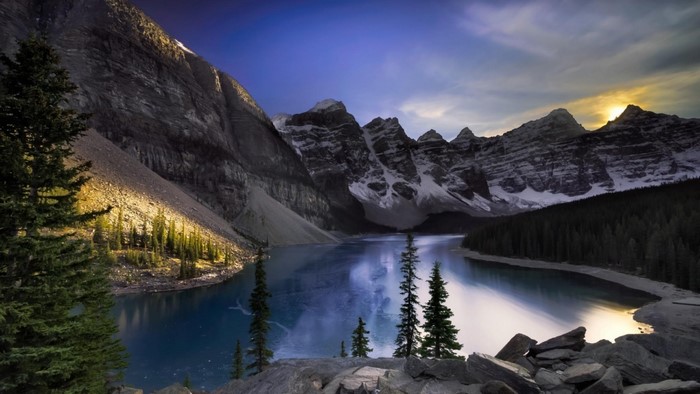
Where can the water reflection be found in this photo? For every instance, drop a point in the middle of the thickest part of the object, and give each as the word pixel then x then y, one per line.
pixel 319 291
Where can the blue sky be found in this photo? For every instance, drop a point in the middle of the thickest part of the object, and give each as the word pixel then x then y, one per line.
pixel 489 65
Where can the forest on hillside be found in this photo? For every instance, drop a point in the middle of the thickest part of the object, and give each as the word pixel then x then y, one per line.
pixel 653 232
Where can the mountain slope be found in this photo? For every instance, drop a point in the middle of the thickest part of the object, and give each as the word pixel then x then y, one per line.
pixel 178 115
pixel 550 160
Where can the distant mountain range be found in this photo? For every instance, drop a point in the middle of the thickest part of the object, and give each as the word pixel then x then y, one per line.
pixel 198 128
pixel 400 181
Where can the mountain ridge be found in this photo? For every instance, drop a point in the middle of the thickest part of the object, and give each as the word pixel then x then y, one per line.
pixel 542 162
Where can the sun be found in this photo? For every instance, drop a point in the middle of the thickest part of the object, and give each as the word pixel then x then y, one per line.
pixel 614 112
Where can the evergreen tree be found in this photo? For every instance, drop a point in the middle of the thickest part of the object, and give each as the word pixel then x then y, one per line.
pixel 119 231
pixel 260 311
pixel 408 339
pixel 187 382
pixel 237 369
pixel 55 324
pixel 343 353
pixel 360 343
pixel 440 339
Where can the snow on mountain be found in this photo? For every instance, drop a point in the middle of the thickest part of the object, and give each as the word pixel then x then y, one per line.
pixel 399 181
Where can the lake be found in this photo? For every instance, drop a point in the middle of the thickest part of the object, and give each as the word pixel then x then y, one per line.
pixel 318 292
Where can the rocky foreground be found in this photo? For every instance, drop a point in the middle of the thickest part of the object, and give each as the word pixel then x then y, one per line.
pixel 634 364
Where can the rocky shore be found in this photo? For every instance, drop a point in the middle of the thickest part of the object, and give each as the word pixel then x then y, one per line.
pixel 566 364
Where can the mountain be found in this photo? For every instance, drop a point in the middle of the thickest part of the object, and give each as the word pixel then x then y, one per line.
pixel 164 105
pixel 400 181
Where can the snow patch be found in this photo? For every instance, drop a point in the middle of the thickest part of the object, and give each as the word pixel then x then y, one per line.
pixel 184 48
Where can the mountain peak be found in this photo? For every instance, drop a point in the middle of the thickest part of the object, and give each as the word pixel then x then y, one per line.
pixel 328 105
pixel 631 111
pixel 430 135
pixel 464 134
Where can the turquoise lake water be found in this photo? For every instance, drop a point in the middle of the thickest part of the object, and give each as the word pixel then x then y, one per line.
pixel 318 292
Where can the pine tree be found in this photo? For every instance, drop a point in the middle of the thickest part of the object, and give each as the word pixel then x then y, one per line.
pixel 360 343
pixel 237 370
pixel 440 339
pixel 56 331
pixel 260 311
pixel 408 339
pixel 343 353
pixel 119 231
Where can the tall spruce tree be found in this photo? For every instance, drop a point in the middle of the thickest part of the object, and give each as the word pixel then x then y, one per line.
pixel 440 339
pixel 360 343
pixel 260 311
pixel 56 331
pixel 237 368
pixel 343 353
pixel 408 339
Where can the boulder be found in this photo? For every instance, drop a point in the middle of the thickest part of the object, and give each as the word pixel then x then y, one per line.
pixel 175 388
pixel 517 347
pixel 583 373
pixel 484 368
pixel 415 366
pixel 574 339
pixel 450 369
pixel 684 371
pixel 128 390
pixel 548 380
pixel 636 364
pixel 399 382
pixel 592 346
pixel 558 354
pixel 610 383
pixel 672 386
pixel 496 387
pixel 672 347
pixel 525 363
pixel 277 379
pixel 355 380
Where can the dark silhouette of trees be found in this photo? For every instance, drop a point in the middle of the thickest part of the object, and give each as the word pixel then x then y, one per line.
pixel 651 232
pixel 56 330
pixel 260 311
pixel 408 339
pixel 440 339
pixel 360 342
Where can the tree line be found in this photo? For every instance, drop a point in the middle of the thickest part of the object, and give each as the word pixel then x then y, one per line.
pixel 653 232
pixel 147 246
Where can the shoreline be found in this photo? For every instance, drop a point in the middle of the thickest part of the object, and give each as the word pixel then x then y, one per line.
pixel 148 282
pixel 664 316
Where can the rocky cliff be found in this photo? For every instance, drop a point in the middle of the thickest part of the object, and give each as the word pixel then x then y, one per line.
pixel 400 181
pixel 163 104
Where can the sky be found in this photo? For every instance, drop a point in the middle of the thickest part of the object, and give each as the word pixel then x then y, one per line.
pixel 447 64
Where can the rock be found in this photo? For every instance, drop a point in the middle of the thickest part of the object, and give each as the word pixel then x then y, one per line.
pixel 672 386
pixel 451 370
pixel 517 347
pixel 573 339
pixel 592 346
pixel 355 381
pixel 684 371
pixel 415 366
pixel 636 364
pixel 583 373
pixel 610 383
pixel 175 388
pixel 128 390
pixel 496 387
pixel 558 354
pixel 547 379
pixel 559 367
pixel 525 363
pixel 399 382
pixel 484 368
pixel 279 379
pixel 672 347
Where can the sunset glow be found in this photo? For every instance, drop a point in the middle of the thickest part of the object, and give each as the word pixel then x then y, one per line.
pixel 614 112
